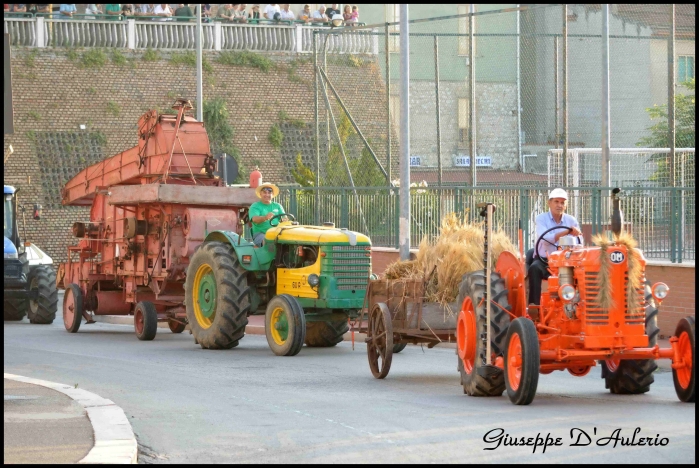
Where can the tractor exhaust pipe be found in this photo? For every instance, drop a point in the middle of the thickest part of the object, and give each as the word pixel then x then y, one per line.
pixel 617 215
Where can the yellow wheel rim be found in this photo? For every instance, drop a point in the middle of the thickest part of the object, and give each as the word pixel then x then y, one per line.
pixel 279 325
pixel 204 296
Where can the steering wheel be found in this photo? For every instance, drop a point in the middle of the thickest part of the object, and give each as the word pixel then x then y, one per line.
pixel 541 237
pixel 279 217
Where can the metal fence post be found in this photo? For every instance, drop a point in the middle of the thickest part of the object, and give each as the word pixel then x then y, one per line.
pixel 564 77
pixel 40 39
pixel 317 124
pixel 293 203
pixel 388 105
pixel 344 209
pixel 472 94
pixel 131 34
pixel 671 95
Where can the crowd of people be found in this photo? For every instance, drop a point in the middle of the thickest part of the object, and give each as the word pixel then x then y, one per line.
pixel 230 12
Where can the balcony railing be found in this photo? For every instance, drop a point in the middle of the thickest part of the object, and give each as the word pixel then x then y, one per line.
pixel 137 34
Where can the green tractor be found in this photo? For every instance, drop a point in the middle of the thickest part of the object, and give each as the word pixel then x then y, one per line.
pixel 308 281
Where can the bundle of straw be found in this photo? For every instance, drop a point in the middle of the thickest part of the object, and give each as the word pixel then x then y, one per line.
pixel 456 251
pixel 635 283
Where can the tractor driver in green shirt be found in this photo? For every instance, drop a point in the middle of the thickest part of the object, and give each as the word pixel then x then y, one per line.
pixel 263 211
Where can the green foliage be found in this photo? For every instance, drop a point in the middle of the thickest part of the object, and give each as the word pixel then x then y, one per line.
pixel 72 55
pixel 292 71
pixel 684 130
pixel 216 121
pixel 189 59
pixel 275 137
pixel 118 57
pixel 113 108
pixel 35 115
pixel 30 57
pixel 151 55
pixel 245 59
pixel 31 135
pixel 99 138
pixel 284 117
pixel 302 174
pixel 93 58
pixel 91 90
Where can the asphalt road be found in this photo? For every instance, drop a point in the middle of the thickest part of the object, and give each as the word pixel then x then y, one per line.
pixel 246 405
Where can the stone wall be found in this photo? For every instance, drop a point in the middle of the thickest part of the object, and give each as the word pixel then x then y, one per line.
pixel 57 91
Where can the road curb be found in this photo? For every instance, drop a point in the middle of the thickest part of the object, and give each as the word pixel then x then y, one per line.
pixel 115 442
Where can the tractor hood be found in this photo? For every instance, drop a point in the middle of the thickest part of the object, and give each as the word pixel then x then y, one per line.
pixel 314 235
pixel 9 247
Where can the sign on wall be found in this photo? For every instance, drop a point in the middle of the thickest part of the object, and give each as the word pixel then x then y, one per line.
pixel 465 161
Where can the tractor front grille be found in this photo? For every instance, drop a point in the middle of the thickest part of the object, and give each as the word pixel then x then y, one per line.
pixel 596 315
pixel 350 265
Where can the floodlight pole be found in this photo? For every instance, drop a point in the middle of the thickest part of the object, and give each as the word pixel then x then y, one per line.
pixel 605 108
pixel 200 91
pixel 404 193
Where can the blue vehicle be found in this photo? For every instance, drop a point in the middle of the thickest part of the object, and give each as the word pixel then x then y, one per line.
pixel 30 281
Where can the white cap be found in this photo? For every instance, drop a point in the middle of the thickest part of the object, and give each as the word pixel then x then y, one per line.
pixel 558 193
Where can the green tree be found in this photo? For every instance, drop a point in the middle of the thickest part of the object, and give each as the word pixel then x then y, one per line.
pixel 221 132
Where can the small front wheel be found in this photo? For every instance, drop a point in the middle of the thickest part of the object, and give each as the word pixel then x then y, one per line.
pixel 522 361
pixel 145 320
pixel 176 326
pixel 72 308
pixel 285 325
pixel 683 372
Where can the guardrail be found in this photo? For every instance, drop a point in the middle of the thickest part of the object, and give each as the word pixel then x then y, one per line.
pixel 297 37
pixel 662 220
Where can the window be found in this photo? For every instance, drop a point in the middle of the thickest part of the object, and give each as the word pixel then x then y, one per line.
pixel 463 29
pixel 394 105
pixel 685 68
pixel 464 105
pixel 393 15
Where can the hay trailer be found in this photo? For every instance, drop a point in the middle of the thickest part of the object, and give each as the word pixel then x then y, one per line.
pixel 398 315
pixel 595 307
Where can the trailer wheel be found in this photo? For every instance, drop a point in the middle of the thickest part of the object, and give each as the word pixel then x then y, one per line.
pixel 42 278
pixel 379 344
pixel 285 325
pixel 634 376
pixel 522 361
pixel 478 378
pixel 684 377
pixel 145 320
pixel 325 334
pixel 175 326
pixel 14 309
pixel 72 308
pixel 217 296
pixel 398 347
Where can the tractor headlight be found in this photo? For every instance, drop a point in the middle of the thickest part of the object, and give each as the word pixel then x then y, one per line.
pixel 313 280
pixel 11 255
pixel 660 291
pixel 567 292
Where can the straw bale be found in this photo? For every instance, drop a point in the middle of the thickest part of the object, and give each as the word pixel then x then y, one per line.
pixel 635 270
pixel 442 262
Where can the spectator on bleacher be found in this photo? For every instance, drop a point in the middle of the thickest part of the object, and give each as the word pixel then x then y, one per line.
pixel 355 15
pixel 38 8
pixel 7 7
pixel 272 12
pixel 332 11
pixel 347 13
pixel 127 9
pixel 162 9
pixel 67 11
pixel 143 9
pixel 113 10
pixel 239 13
pixel 205 12
pixel 305 14
pixel 92 9
pixel 286 13
pixel 184 11
pixel 225 12
pixel 319 15
pixel 19 8
pixel 255 13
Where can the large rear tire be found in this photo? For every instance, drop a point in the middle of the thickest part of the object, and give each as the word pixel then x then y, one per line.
pixel 684 377
pixel 42 278
pixel 217 296
pixel 14 309
pixel 285 325
pixel 478 378
pixel 325 334
pixel 634 376
pixel 522 361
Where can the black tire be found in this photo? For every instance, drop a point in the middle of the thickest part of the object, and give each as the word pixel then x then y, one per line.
pixel 687 391
pixel 42 278
pixel 484 380
pixel 287 342
pixel 325 334
pixel 635 376
pixel 232 298
pixel 72 324
pixel 398 347
pixel 525 390
pixel 175 326
pixel 14 308
pixel 145 320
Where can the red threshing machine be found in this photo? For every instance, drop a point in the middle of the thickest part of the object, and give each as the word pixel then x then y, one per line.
pixel 594 308
pixel 151 206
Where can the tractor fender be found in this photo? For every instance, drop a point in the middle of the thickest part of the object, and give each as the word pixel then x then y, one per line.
pixel 36 256
pixel 260 257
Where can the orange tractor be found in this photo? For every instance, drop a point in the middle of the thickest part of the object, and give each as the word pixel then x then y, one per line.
pixel 595 307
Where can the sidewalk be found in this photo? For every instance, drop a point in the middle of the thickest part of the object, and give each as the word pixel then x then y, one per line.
pixel 47 422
